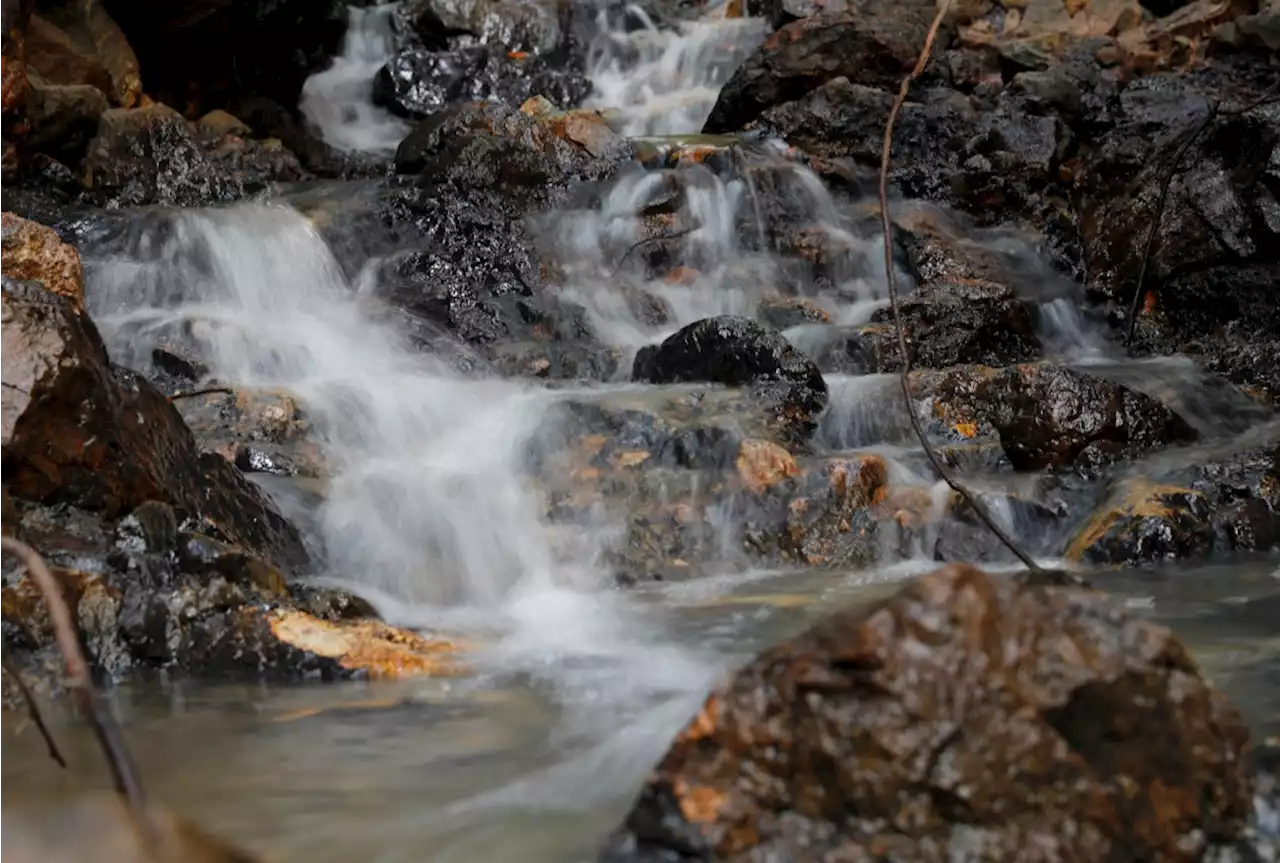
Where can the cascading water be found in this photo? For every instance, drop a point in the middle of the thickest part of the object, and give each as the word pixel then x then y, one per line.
pixel 338 101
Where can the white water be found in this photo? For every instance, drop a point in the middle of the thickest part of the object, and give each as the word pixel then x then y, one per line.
pixel 665 82
pixel 339 102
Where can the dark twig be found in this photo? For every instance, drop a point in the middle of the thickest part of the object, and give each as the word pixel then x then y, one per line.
pixel 123 772
pixel 190 394
pixel 33 709
pixel 1269 96
pixel 673 235
pixel 905 376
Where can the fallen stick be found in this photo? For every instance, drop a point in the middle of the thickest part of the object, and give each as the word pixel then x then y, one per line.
pixel 123 772
pixel 905 375
pixel 33 709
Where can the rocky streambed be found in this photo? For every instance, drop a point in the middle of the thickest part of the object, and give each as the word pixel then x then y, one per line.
pixel 531 365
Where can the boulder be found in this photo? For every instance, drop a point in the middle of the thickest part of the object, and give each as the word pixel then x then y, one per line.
pixel 79 43
pixel 968 717
pixel 532 27
pixel 876 50
pixel 13 86
pixel 62 120
pixel 738 352
pixel 79 431
pixel 32 251
pixel 1049 416
pixel 149 155
pixel 417 83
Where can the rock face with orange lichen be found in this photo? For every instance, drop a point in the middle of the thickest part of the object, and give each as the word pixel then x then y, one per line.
pixel 967 717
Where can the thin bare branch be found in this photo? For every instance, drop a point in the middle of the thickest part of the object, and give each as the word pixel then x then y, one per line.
pixel 190 394
pixel 37 718
pixel 123 772
pixel 673 235
pixel 905 376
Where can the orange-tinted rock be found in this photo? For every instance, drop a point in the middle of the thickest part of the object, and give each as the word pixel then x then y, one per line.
pixel 967 717
pixel 1143 521
pixel 13 65
pixel 762 463
pixel 53 53
pixel 78 431
pixel 33 252
pixel 370 646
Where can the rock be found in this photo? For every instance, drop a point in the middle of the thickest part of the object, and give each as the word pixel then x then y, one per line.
pixel 418 83
pixel 62 119
pixel 762 463
pixel 737 352
pixel 1051 416
pixel 877 50
pixel 784 312
pixel 218 123
pixel 79 43
pixel 206 54
pixel 368 646
pixel 958 323
pixel 78 431
pixel 966 716
pixel 144 156
pixel 33 252
pixel 528 27
pixel 13 87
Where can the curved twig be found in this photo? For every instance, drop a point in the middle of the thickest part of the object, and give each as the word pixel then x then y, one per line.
pixel 33 709
pixel 123 772
pixel 904 377
pixel 189 394
pixel 673 235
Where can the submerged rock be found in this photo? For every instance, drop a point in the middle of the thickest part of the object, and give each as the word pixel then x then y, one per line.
pixel 736 351
pixel 966 716
pixel 79 431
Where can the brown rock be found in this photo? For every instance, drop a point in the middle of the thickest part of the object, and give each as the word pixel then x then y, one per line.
pixel 218 123
pixel 33 252
pixel 1143 521
pixel 967 717
pixel 13 65
pixel 76 430
pixel 62 118
pixel 53 53
pixel 762 463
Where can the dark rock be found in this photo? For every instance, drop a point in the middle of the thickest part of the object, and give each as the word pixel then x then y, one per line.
pixel 961 717
pixel 955 324
pixel 737 352
pixel 62 120
pixel 1049 415
pixel 782 313
pixel 533 28
pixel 148 155
pixel 14 16
pixel 874 49
pixel 418 83
pixel 206 54
pixel 77 430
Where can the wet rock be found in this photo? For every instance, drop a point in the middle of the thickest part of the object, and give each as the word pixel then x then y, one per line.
pixel 219 123
pixel 876 50
pixel 532 28
pixel 960 717
pixel 32 252
pixel 958 323
pixel 1050 416
pixel 77 430
pixel 200 55
pixel 55 56
pixel 785 312
pixel 367 646
pixel 736 351
pixel 418 83
pixel 257 431
pixel 62 120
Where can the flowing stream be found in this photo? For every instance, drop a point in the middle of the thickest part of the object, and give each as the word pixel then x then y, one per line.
pixel 576 688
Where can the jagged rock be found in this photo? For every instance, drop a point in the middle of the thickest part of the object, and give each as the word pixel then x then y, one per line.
pixel 32 252
pixel 1048 415
pixel 78 431
pixel 149 155
pixel 736 351
pixel 418 83
pixel 965 716
pixel 530 27
pixel 874 49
